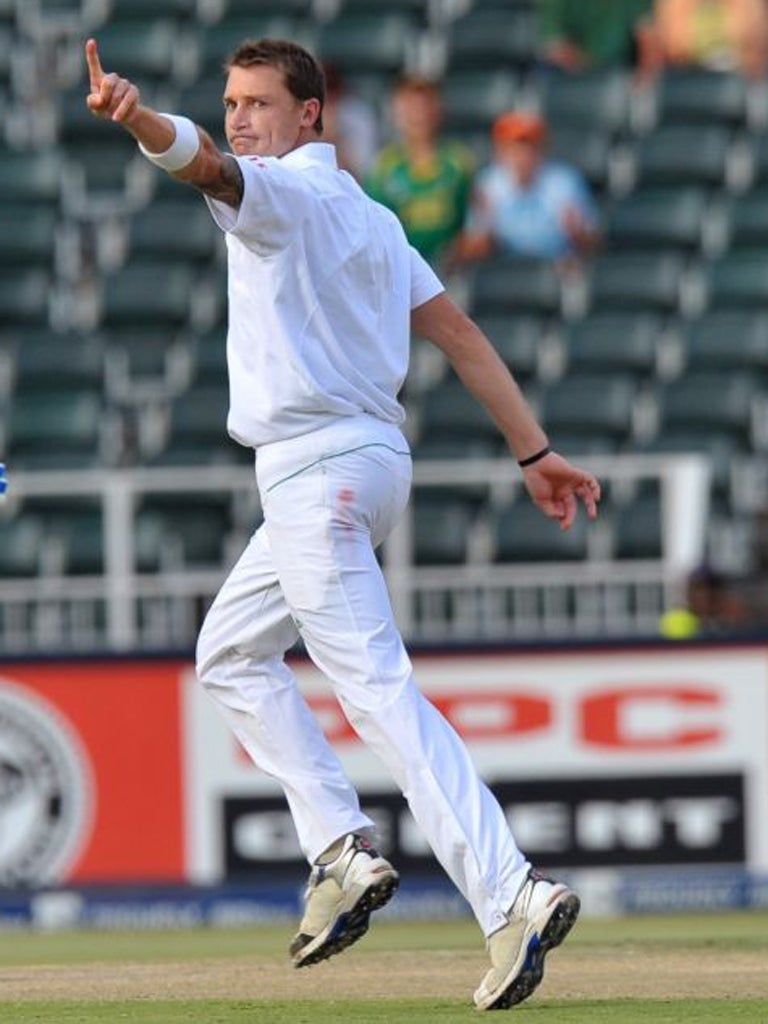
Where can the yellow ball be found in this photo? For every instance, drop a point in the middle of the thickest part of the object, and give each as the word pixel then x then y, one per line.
pixel 679 624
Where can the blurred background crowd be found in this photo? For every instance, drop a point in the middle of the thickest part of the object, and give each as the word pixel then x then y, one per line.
pixel 589 176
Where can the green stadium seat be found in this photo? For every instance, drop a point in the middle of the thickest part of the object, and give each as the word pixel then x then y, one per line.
pixel 101 171
pixel 143 351
pixel 197 431
pixel 589 403
pixel 148 292
pixel 589 151
pixel 298 8
pixel 709 399
pixel 441 527
pixel 492 38
pixel 449 410
pixel 659 218
pixel 739 278
pixel 684 154
pixel 637 528
pixel 175 229
pixel 27 235
pixel 46 360
pixel 701 440
pixel 458 447
pixel 218 41
pixel 372 43
pixel 55 430
pixel 21 539
pixel 24 297
pixel 473 99
pixel 202 102
pixel 522 534
pixel 73 529
pixel 100 158
pixel 748 219
pixel 597 100
pixel 209 359
pixel 145 48
pixel 697 95
pixel 611 341
pixel 760 159
pixel 517 339
pixel 733 339
pixel 182 10
pixel 637 280
pixel 515 286
pixel 181 530
pixel 34 177
pixel 505 5
pixel 575 443
pixel 7 38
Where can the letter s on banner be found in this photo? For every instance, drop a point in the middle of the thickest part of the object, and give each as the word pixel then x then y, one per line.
pixel 604 717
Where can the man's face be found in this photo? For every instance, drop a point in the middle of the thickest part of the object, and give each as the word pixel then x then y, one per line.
pixel 522 158
pixel 417 113
pixel 262 117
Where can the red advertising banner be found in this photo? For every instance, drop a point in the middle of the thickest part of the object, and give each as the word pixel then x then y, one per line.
pixel 123 770
pixel 90 773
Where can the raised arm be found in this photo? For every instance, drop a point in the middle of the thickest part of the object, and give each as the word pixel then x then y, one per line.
pixel 552 482
pixel 203 165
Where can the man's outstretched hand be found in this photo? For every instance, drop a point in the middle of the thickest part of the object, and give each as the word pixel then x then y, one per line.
pixel 111 97
pixel 555 486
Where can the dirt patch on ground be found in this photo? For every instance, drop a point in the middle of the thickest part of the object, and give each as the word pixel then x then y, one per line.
pixel 573 973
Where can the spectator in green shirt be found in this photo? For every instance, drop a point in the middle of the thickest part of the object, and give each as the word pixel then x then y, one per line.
pixel 580 35
pixel 424 179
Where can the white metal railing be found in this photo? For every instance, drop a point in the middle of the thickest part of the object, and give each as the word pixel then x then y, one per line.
pixel 126 610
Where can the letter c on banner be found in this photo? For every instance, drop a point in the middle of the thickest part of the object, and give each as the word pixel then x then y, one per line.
pixel 604 717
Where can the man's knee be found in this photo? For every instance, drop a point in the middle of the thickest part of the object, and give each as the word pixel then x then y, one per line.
pixel 207 654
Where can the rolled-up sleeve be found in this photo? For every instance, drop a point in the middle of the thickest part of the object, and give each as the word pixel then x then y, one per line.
pixel 425 284
pixel 275 201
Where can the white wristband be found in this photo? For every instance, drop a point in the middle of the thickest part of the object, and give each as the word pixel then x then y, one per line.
pixel 182 150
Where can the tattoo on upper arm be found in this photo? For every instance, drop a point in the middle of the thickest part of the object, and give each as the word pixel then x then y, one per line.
pixel 228 186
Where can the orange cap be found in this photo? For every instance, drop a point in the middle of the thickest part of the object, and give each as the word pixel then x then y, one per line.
pixel 518 126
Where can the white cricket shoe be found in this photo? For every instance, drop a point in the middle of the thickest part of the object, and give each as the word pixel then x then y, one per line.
pixel 541 916
pixel 340 898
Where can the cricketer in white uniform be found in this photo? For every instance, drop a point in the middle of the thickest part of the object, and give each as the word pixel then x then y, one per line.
pixel 323 293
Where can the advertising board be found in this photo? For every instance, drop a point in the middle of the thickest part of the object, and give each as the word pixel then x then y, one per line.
pixel 123 771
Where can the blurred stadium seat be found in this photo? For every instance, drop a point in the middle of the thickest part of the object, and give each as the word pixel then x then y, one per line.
pixel 595 101
pixel 73 419
pixel 522 534
pixel 659 219
pixel 698 95
pixel 710 399
pixel 498 37
pixel 637 280
pixel 515 286
pixel 611 341
pixel 637 528
pixel 684 155
pixel 596 403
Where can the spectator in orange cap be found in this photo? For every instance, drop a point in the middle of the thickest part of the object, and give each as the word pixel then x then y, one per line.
pixel 525 204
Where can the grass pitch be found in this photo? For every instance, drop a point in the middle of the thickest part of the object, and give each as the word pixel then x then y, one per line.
pixel 702 968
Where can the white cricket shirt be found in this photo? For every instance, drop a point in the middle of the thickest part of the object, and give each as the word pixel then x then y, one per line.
pixel 322 282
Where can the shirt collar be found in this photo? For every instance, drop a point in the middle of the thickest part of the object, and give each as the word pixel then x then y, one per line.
pixel 311 153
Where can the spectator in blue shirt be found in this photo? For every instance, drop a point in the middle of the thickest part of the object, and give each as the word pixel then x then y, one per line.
pixel 525 204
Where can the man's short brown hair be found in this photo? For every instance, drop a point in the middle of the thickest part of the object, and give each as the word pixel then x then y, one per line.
pixel 302 73
pixel 418 84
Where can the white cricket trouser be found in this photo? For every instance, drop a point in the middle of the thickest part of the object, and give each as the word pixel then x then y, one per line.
pixel 329 497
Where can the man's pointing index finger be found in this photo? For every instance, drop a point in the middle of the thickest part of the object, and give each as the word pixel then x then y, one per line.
pixel 94 64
